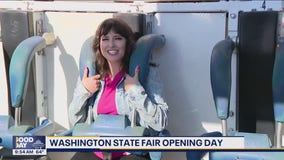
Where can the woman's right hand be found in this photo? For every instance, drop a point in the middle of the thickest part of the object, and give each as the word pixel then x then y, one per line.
pixel 130 81
pixel 92 84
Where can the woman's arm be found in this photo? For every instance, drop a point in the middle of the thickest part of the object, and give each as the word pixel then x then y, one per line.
pixel 75 110
pixel 149 102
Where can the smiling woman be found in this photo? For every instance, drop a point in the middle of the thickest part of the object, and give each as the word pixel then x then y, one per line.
pixel 116 92
pixel 113 45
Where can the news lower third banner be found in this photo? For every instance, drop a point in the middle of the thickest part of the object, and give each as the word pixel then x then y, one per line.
pixel 40 145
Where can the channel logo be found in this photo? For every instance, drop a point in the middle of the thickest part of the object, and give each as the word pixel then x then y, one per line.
pixel 29 145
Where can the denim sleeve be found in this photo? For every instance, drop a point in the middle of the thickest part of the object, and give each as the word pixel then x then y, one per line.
pixel 80 95
pixel 149 102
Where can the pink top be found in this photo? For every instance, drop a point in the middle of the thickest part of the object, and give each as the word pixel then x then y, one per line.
pixel 114 155
pixel 107 104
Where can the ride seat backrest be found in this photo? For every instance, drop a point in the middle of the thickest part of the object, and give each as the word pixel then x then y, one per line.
pixel 15 27
pixel 278 91
pixel 256 51
pixel 278 82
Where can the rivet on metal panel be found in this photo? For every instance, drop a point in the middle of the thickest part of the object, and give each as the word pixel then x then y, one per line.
pixel 233 15
pixel 231 113
pixel 38 27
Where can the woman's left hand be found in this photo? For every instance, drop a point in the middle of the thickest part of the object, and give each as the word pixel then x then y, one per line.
pixel 130 81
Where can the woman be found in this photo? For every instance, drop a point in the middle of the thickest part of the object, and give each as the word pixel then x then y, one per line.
pixel 117 91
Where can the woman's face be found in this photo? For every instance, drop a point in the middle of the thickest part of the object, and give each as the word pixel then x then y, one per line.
pixel 112 46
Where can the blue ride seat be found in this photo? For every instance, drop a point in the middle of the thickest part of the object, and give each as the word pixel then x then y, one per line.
pixel 118 125
pixel 278 92
pixel 221 82
pixel 253 61
pixel 221 77
pixel 221 87
pixel 18 76
pixel 108 125
pixel 220 72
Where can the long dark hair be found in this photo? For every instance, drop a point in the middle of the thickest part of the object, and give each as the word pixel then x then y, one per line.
pixel 120 27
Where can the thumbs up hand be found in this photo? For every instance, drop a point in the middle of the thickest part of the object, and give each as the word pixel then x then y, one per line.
pixel 130 81
pixel 92 83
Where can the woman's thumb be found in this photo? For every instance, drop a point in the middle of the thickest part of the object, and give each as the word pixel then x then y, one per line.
pixel 86 72
pixel 137 70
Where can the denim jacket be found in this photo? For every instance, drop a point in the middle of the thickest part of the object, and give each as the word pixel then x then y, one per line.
pixel 149 103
